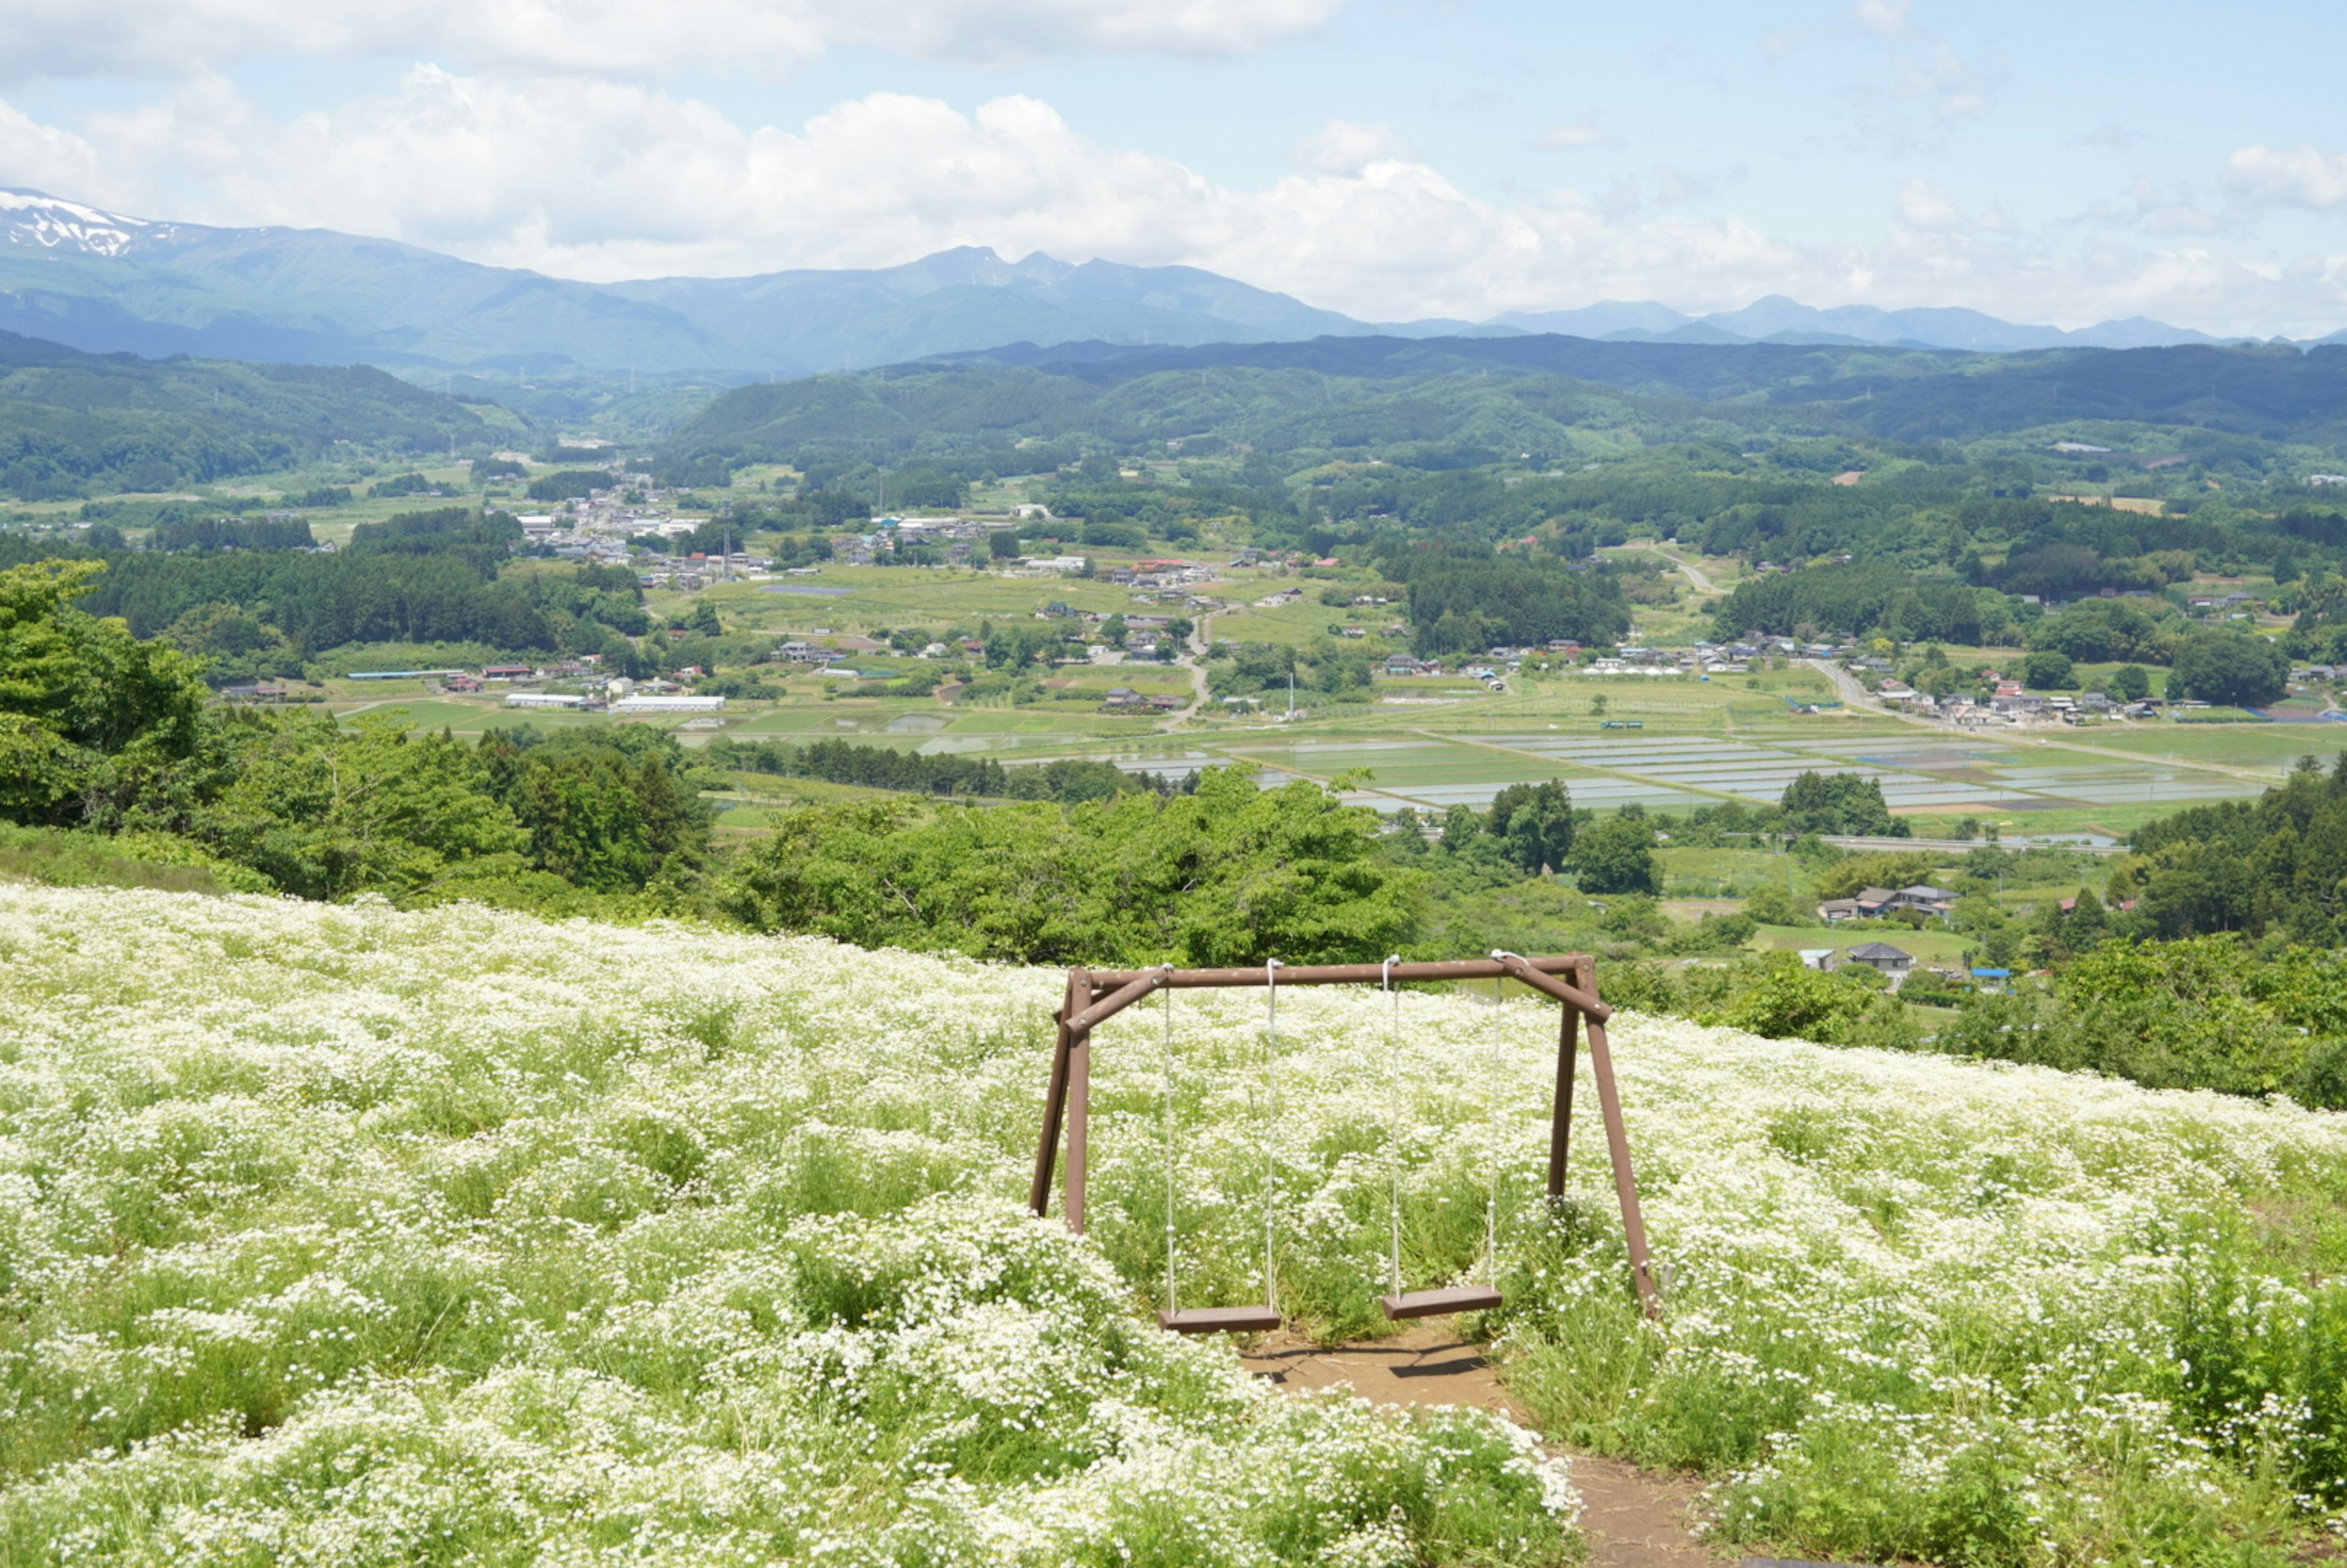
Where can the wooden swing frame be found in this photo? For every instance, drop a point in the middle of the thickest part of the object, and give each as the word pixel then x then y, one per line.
pixel 1095 996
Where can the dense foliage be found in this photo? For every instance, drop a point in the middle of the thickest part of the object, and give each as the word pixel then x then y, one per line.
pixel 1227 874
pixel 2197 1013
pixel 2276 863
pixel 1066 780
pixel 443 575
pixel 1839 802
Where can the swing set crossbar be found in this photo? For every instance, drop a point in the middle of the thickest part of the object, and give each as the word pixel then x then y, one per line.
pixel 1095 996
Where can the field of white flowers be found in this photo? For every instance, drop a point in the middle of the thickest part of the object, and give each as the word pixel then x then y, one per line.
pixel 340 1235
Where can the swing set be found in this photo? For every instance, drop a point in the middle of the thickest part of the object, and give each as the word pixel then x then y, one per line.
pixel 1095 996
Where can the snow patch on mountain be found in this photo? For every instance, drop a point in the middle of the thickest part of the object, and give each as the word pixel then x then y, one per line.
pixel 34 219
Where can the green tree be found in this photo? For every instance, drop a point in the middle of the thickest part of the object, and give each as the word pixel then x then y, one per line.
pixel 2229 667
pixel 609 811
pixel 325 812
pixel 2047 670
pixel 1462 828
pixel 1018 644
pixel 1617 855
pixel 1772 904
pixel 1839 802
pixel 2128 683
pixel 1782 999
pixel 1229 874
pixel 93 722
pixel 1536 823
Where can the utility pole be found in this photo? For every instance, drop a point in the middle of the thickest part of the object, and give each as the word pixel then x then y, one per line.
pixel 1291 696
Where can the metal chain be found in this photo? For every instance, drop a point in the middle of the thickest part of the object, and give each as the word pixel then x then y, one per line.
pixel 1394 1108
pixel 1491 1205
pixel 1166 1101
pixel 1270 1126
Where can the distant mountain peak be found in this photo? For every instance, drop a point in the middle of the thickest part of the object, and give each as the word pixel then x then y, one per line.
pixel 103 282
pixel 35 218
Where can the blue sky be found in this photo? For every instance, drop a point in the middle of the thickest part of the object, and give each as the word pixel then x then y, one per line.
pixel 1392 159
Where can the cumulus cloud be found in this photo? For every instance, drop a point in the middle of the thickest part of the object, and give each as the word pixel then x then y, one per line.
pixel 1348 146
pixel 171 38
pixel 2287 177
pixel 603 179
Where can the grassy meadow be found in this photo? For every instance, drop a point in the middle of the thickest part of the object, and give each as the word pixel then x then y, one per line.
pixel 353 1235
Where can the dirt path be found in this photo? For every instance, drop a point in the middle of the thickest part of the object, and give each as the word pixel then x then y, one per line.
pixel 1634 1518
pixel 1694 573
pixel 1201 639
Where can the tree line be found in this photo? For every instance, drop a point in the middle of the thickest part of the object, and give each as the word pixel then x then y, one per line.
pixel 1067 780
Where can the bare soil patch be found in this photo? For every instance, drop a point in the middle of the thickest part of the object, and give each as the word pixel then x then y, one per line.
pixel 1634 1518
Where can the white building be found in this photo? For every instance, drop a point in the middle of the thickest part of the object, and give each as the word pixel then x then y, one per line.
pixel 668 705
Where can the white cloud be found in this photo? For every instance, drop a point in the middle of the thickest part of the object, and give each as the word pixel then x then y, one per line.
pixel 1884 19
pixel 1571 137
pixel 1923 205
pixel 1348 146
pixel 605 179
pixel 629 38
pixel 2291 177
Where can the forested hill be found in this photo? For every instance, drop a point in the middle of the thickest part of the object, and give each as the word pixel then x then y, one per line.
pixel 2276 393
pixel 71 423
pixel 1525 392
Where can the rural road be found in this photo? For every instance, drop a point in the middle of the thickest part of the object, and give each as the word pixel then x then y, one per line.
pixel 1202 638
pixel 1694 574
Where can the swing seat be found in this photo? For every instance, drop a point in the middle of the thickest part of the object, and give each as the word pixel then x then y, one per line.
pixel 1220 1320
pixel 1440 1303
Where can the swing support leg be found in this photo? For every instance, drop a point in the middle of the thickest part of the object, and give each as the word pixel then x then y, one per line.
pixel 1559 1132
pixel 1055 1109
pixel 1080 1103
pixel 1625 1185
pixel 1617 1134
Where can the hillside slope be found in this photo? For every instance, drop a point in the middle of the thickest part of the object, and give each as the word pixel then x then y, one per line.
pixel 71 423
pixel 458 1228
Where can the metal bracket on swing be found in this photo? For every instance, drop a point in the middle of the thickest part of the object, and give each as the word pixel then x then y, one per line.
pixel 1095 996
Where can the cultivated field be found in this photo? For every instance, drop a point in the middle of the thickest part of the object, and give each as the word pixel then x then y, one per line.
pixel 340 1235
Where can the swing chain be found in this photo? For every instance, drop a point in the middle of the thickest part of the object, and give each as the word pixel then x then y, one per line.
pixel 1166 1118
pixel 1271 1122
pixel 1394 1108
pixel 1491 1204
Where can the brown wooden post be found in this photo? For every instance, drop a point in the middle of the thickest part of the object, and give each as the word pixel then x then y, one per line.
pixel 1055 1102
pixel 1559 1132
pixel 1625 1184
pixel 1079 1097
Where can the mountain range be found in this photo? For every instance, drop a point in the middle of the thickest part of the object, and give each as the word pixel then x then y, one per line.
pixel 106 282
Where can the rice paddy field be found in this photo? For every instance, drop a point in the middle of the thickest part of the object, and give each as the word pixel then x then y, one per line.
pixel 1426 749
pixel 340 1235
